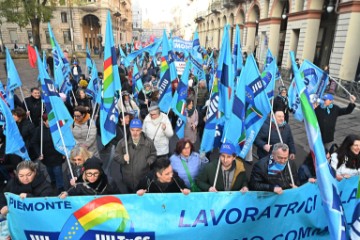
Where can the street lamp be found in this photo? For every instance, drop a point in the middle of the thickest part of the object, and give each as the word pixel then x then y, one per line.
pixel 330 7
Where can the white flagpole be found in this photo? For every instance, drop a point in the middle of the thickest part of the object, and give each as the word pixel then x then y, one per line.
pixel 217 172
pixel 281 140
pixel 41 129
pixel 92 119
pixel 65 150
pixel 271 116
pixel 123 117
pixel 27 109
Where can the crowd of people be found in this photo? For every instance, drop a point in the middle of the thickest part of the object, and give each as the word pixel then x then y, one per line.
pixel 139 159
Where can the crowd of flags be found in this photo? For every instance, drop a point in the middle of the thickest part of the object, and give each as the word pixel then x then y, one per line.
pixel 240 98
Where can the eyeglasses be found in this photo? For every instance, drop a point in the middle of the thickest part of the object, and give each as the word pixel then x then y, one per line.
pixel 26 175
pixel 90 174
pixel 77 116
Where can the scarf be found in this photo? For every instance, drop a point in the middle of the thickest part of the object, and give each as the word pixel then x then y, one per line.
pixel 84 120
pixel 280 125
pixel 191 112
pixel 275 167
pixel 327 107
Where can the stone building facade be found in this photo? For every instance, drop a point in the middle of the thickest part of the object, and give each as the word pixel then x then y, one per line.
pixel 76 25
pixel 325 32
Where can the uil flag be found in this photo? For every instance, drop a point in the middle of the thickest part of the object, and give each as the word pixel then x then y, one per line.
pixel 137 84
pixel 196 59
pixel 225 76
pixel 178 104
pixel 60 120
pixel 355 227
pixel 110 88
pixel 43 61
pixel 94 85
pixel 327 183
pixel 269 74
pixel 257 105
pixel 167 75
pixel 89 61
pixel 13 80
pixel 61 65
pixel 14 142
pixel 123 59
pixel 237 54
pixel 315 80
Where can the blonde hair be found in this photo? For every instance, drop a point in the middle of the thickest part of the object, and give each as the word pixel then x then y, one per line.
pixel 79 150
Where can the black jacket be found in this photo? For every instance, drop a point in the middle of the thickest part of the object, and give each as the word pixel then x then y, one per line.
pixel 51 156
pixel 39 187
pixel 34 106
pixel 262 138
pixel 282 104
pixel 260 180
pixel 152 185
pixel 101 187
pixel 327 122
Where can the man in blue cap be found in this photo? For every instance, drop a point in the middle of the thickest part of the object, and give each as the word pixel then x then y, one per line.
pixel 327 114
pixel 231 173
pixel 135 163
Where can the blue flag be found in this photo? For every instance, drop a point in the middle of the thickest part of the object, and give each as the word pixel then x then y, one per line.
pixel 225 74
pixel 13 80
pixel 14 142
pixel 237 54
pixel 152 49
pixel 44 61
pixel 178 104
pixel 327 183
pixel 257 105
pixel 196 59
pixel 137 84
pixel 94 85
pixel 269 74
pixel 89 61
pixel 123 59
pixel 61 65
pixel 315 80
pixel 167 75
pixel 60 120
pixel 110 87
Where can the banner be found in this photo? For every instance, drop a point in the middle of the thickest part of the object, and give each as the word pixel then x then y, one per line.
pixel 181 45
pixel 180 67
pixel 296 214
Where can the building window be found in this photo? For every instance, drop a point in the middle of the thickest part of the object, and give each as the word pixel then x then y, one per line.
pixel 67 37
pixel 13 35
pixel 63 17
pixel 47 36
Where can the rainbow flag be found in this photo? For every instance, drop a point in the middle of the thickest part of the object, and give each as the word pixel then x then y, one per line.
pixel 110 88
pixel 327 183
pixel 94 213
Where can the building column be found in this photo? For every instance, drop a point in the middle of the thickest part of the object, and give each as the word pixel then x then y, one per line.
pixel 250 36
pixel 310 38
pixel 346 49
pixel 274 36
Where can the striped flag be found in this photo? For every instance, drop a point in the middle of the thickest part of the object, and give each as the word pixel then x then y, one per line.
pixel 110 88
pixel 327 183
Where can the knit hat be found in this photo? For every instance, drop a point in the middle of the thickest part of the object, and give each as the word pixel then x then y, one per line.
pixel 328 96
pixel 93 163
pixel 136 123
pixel 227 148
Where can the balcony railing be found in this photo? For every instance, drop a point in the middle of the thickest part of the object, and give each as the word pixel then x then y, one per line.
pixel 215 6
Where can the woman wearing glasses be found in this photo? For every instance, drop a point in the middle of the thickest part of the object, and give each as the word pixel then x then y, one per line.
pixel 29 182
pixel 84 130
pixel 93 181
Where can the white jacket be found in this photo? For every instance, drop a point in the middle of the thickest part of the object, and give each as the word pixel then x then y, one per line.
pixel 154 131
pixel 342 170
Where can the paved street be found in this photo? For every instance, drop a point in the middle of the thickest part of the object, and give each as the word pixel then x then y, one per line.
pixel 345 124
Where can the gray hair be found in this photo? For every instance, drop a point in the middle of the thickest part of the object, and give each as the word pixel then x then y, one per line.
pixel 281 146
pixel 26 165
pixel 79 150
